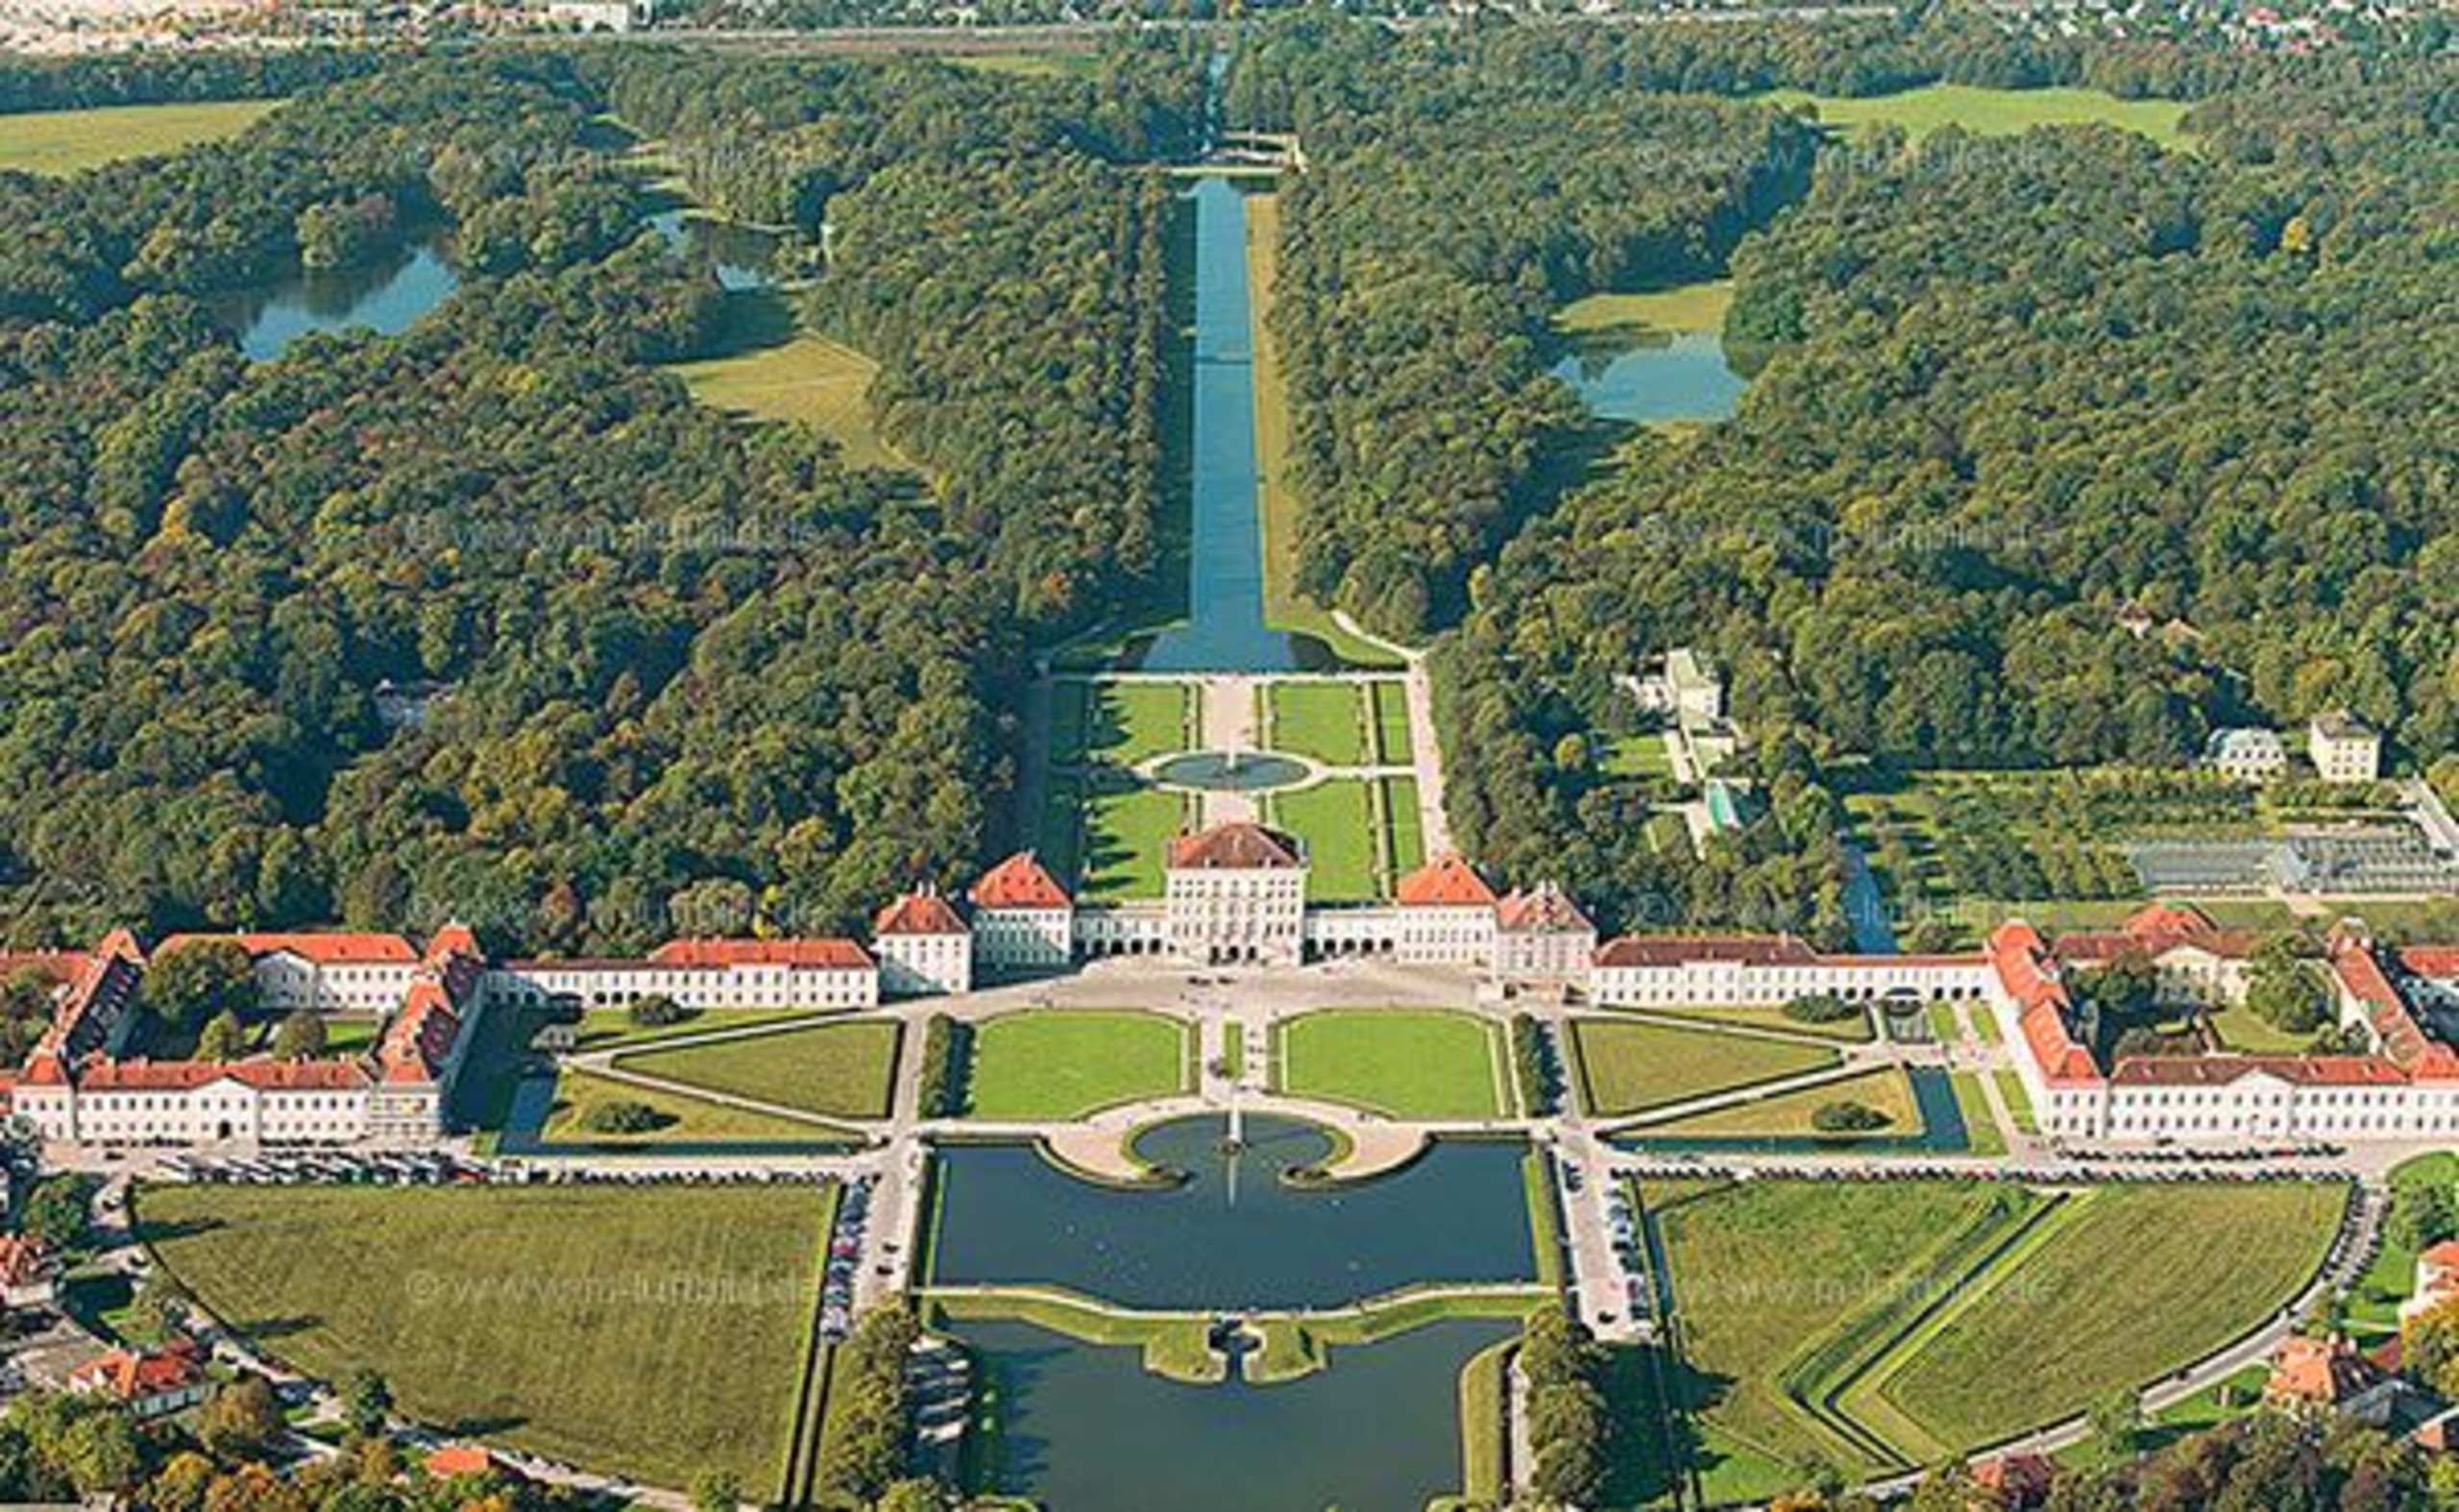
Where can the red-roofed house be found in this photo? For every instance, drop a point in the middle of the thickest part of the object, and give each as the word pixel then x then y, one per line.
pixel 28 1272
pixel 1023 920
pixel 1447 914
pixel 2437 1282
pixel 2329 1376
pixel 451 1461
pixel 1540 936
pixel 2015 1482
pixel 323 971
pixel 708 975
pixel 924 946
pixel 149 1385
pixel 2195 961
pixel 1235 892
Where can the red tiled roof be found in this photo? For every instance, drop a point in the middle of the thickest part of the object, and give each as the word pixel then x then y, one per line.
pixel 101 1075
pixel 323 947
pixel 130 1376
pixel 451 942
pixel 59 966
pixel 2445 1256
pixel 1545 909
pixel 2402 1038
pixel 419 1040
pixel 841 955
pixel 2029 975
pixel 2219 1071
pixel 2155 929
pixel 1673 950
pixel 2323 1372
pixel 459 1459
pixel 24 1259
pixel 918 913
pixel 1238 845
pixel 2441 962
pixel 1445 881
pixel 1020 882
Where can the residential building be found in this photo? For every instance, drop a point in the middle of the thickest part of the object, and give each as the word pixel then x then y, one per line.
pixel 320 972
pixel 924 946
pixel 1023 920
pixel 28 1272
pixel 1445 915
pixel 1235 892
pixel 705 975
pixel 2342 747
pixel 2437 1282
pixel 149 1385
pixel 1766 971
pixel 1541 936
pixel 2247 754
pixel 2195 961
pixel 2329 1376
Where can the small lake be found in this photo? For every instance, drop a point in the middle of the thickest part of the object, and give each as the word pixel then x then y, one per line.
pixel 1234 1236
pixel 737 255
pixel 1645 376
pixel 1084 1428
pixel 386 295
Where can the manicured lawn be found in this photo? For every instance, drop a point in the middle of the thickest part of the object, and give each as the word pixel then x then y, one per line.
pixel 1686 306
pixel 808 380
pixel 69 141
pixel 841 1069
pixel 1627 1066
pixel 1788 1115
pixel 2243 1029
pixel 1127 838
pixel 1635 756
pixel 546 1317
pixel 1336 819
pixel 1991 112
pixel 1404 1063
pixel 1122 723
pixel 2133 1282
pixel 2019 1103
pixel 1066 1064
pixel 1855 1028
pixel 1404 824
pixel 2374 1301
pixel 1973 1104
pixel 1323 720
pixel 606 1028
pixel 1391 704
pixel 688 1120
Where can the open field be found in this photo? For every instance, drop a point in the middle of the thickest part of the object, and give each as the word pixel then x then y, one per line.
pixel 808 380
pixel 1120 722
pixel 70 141
pixel 1627 1067
pixel 1685 307
pixel 1323 720
pixel 1991 112
pixel 841 1070
pixel 1336 819
pixel 2172 1272
pixel 1788 1115
pixel 1285 608
pixel 1068 1062
pixel 687 1119
pixel 545 1317
pixel 1408 1063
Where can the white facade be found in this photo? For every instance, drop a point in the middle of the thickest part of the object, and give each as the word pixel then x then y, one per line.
pixel 2247 754
pixel 1448 935
pixel 925 964
pixel 1246 914
pixel 1009 939
pixel 1768 973
pixel 619 984
pixel 2343 748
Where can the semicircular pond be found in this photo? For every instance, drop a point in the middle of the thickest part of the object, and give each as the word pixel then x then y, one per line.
pixel 1234 1236
pixel 1231 771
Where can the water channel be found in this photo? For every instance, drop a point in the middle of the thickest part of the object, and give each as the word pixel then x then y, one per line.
pixel 1234 1236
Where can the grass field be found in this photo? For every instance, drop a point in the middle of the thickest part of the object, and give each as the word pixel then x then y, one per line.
pixel 689 1120
pixel 808 380
pixel 2172 1272
pixel 1066 1064
pixel 1120 722
pixel 1322 720
pixel 1404 827
pixel 2241 1028
pixel 1991 112
pixel 1404 1063
pixel 608 1028
pixel 1336 819
pixel 70 141
pixel 1124 837
pixel 1627 1067
pixel 1788 1115
pixel 1635 756
pixel 1685 308
pixel 1391 704
pixel 547 1317
pixel 1857 1028
pixel 840 1070
pixel 2019 1103
pixel 1973 1103
pixel 1285 608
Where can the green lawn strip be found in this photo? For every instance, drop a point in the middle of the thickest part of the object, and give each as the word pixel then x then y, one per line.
pixel 1336 821
pixel 1972 1102
pixel 1405 826
pixel 1627 1067
pixel 2244 1030
pixel 549 1318
pixel 1944 1025
pixel 1071 702
pixel 1129 721
pixel 1127 830
pixel 1641 755
pixel 612 1028
pixel 1390 702
pixel 1401 1062
pixel 1993 112
pixel 841 1069
pixel 687 1119
pixel 1985 1023
pixel 1298 1344
pixel 2019 1103
pixel 1176 1346
pixel 2174 1272
pixel 1761 1268
pixel 1788 1114
pixel 1071 1062
pixel 1325 721
pixel 71 141
pixel 1545 1218
pixel 1856 1030
pixel 1062 828
pixel 1485 1441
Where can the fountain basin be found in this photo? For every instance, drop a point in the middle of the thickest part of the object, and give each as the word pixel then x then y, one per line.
pixel 1230 772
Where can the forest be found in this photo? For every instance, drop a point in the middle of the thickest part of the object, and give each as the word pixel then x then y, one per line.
pixel 682 668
